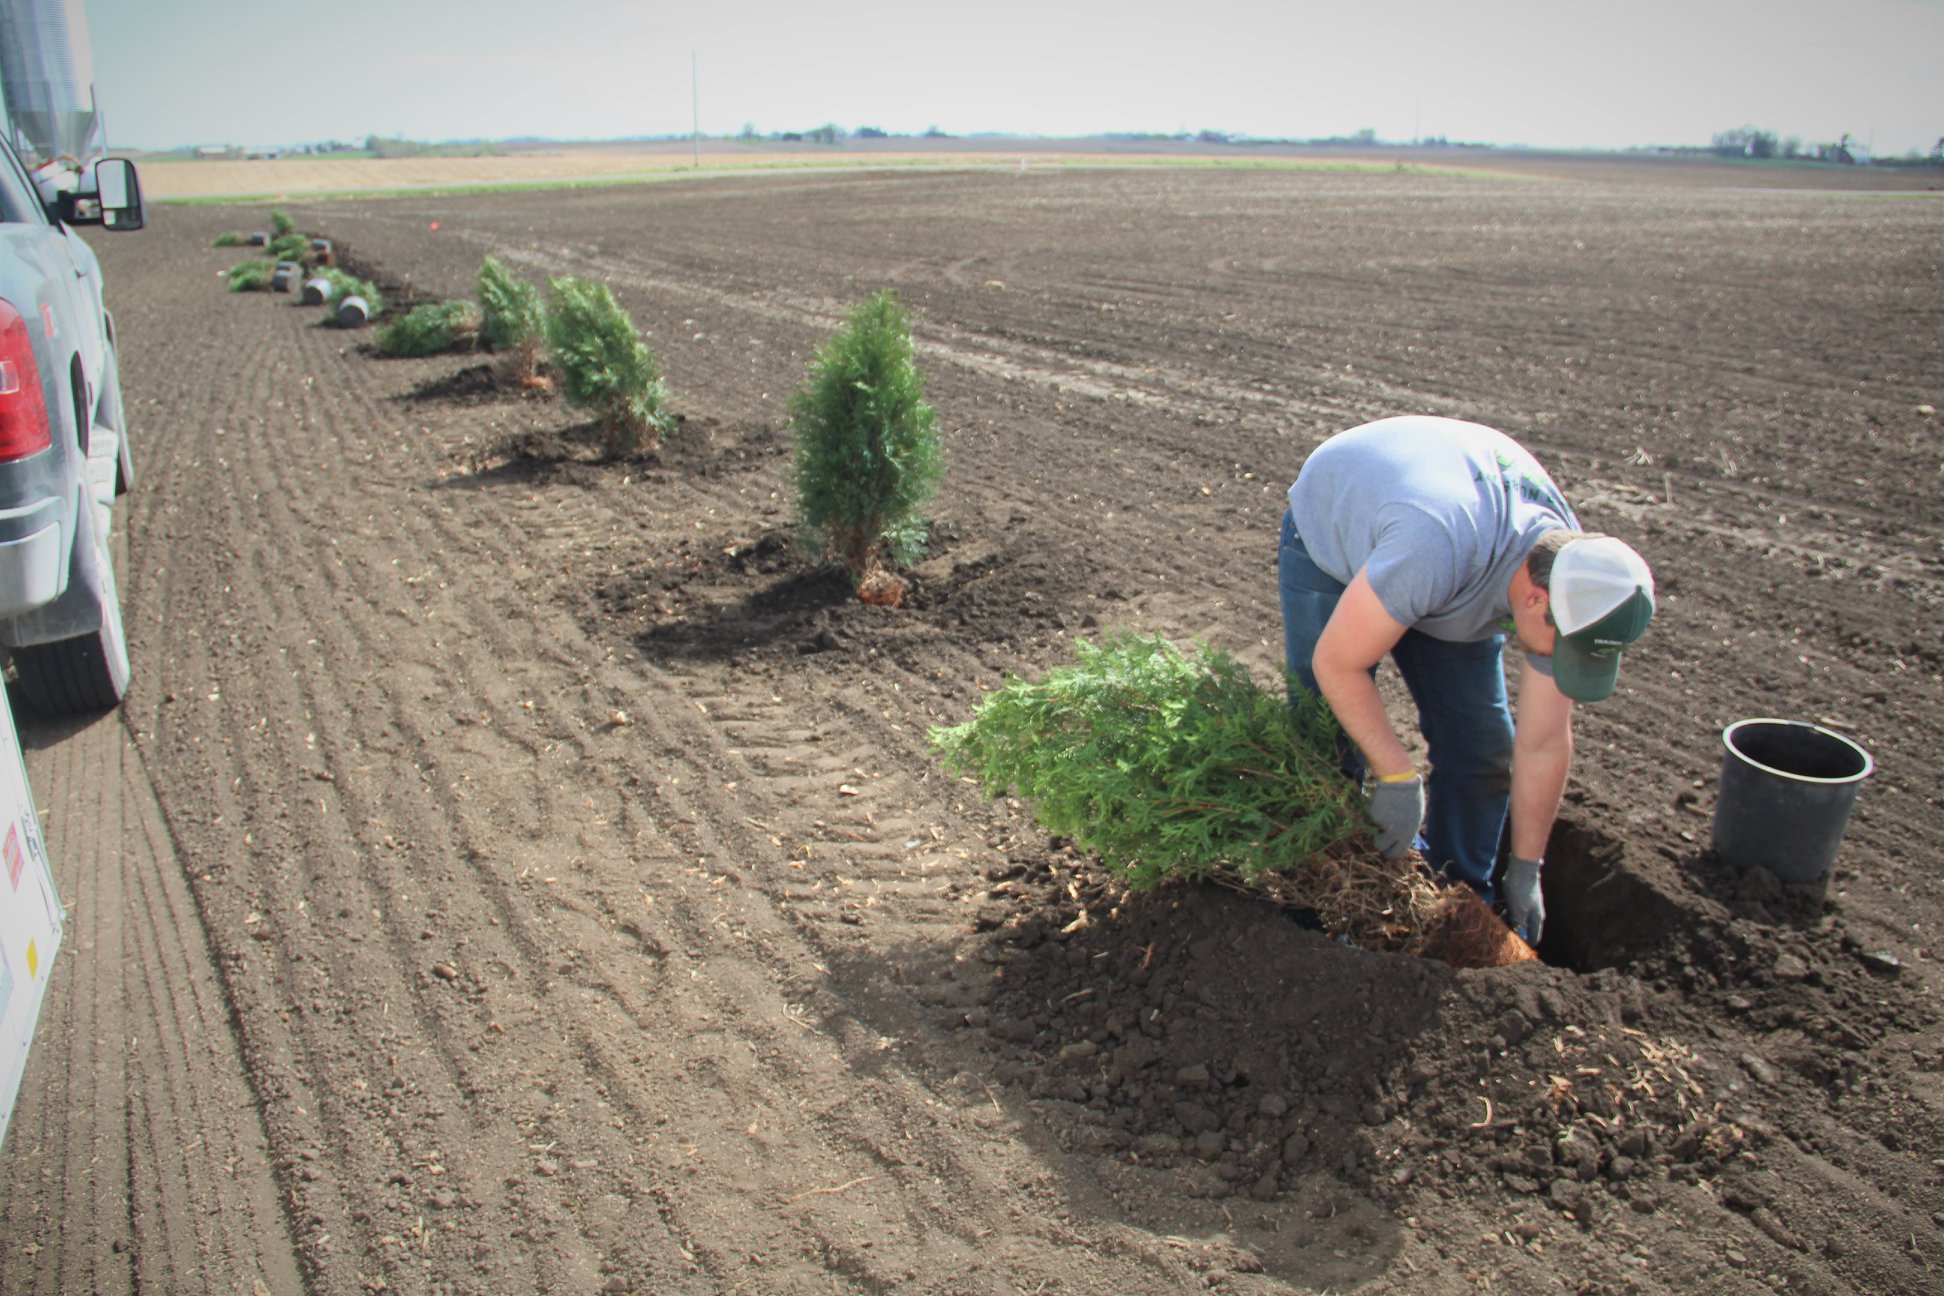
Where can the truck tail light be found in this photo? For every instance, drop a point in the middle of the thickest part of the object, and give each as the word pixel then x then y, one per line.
pixel 24 428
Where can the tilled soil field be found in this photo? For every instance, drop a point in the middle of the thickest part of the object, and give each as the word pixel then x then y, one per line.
pixel 580 908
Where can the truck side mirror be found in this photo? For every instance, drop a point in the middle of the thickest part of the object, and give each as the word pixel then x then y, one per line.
pixel 114 199
pixel 120 192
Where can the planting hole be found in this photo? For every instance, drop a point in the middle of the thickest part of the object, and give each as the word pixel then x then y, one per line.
pixel 1599 914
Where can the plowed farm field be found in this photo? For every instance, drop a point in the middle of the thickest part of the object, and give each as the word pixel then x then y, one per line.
pixel 519 870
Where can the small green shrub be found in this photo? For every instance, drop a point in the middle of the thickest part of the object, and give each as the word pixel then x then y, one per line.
pixel 605 366
pixel 287 247
pixel 1170 766
pixel 281 225
pixel 251 276
pixel 231 239
pixel 509 307
pixel 867 454
pixel 431 329
pixel 511 320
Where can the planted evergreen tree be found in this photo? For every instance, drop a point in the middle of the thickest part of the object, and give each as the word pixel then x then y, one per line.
pixel 605 366
pixel 511 320
pixel 230 239
pixel 867 452
pixel 1174 767
pixel 430 329
pixel 280 224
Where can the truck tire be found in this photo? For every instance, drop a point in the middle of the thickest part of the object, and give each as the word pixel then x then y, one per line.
pixel 88 672
pixel 73 676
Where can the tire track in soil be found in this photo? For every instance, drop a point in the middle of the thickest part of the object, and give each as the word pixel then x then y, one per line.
pixel 706 845
pixel 142 1043
pixel 855 865
pixel 466 749
pixel 853 1130
pixel 318 705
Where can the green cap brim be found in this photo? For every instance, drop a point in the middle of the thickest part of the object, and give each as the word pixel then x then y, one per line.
pixel 1586 665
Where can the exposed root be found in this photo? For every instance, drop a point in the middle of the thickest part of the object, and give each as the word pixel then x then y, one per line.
pixel 881 588
pixel 1395 905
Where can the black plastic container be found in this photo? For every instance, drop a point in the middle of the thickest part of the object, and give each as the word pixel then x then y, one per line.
pixel 1787 789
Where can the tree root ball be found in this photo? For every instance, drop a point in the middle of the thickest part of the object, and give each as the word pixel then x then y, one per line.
pixel 882 589
pixel 1465 933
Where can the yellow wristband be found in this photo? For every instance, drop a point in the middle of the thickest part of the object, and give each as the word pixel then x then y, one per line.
pixel 1405 777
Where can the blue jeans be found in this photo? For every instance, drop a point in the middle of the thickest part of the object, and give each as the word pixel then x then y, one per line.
pixel 1459 689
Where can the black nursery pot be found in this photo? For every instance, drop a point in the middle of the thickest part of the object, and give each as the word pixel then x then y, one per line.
pixel 1787 789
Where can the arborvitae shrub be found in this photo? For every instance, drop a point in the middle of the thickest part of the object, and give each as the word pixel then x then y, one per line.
pixel 511 319
pixel 509 307
pixel 867 455
pixel 605 366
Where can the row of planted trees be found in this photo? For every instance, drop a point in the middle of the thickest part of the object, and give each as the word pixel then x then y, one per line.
pixel 1169 766
pixel 867 451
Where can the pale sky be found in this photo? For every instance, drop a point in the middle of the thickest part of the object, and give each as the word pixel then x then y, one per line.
pixel 1546 73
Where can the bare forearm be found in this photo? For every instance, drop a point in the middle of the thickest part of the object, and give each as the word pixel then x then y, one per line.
pixel 1538 781
pixel 1360 632
pixel 1352 695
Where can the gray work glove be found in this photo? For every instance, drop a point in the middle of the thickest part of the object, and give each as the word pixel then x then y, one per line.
pixel 1398 811
pixel 1525 904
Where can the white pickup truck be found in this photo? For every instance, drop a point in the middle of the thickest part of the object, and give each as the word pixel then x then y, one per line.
pixel 64 453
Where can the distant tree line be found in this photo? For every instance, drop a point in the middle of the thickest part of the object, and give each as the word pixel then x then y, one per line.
pixel 382 147
pixel 1753 142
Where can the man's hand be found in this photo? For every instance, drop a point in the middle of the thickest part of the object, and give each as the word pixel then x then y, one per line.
pixel 1525 905
pixel 1398 810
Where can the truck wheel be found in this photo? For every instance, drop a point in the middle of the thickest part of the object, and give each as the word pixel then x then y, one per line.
pixel 86 673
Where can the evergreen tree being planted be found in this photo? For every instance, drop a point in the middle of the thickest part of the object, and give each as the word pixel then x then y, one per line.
pixel 1179 768
pixel 511 320
pixel 1171 766
pixel 867 452
pixel 605 366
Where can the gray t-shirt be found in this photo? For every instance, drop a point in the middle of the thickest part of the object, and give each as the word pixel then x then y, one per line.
pixel 1440 512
